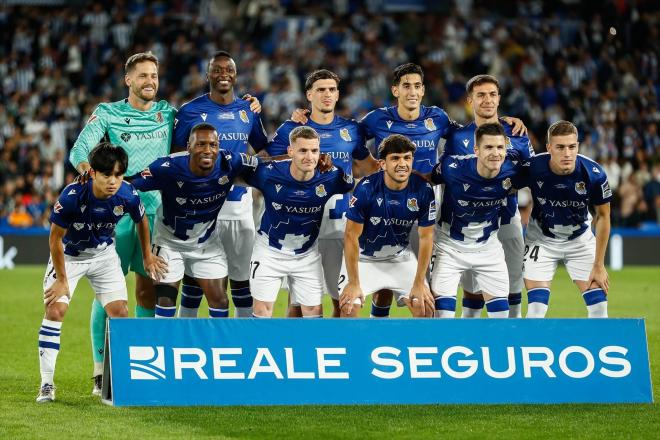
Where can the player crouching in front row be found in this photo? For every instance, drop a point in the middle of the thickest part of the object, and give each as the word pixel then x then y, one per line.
pixel 81 244
pixel 381 214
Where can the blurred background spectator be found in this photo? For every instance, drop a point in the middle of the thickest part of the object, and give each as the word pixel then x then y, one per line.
pixel 594 63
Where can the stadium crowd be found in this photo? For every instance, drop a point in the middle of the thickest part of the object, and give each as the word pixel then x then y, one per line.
pixel 597 66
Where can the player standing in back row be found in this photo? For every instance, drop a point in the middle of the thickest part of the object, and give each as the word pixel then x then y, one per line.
pixel 238 128
pixel 143 128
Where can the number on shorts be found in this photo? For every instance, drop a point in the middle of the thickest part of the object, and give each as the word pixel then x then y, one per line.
pixel 155 249
pixel 342 278
pixel 255 265
pixel 534 254
pixel 432 263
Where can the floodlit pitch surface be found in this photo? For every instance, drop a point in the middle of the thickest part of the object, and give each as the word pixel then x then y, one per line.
pixel 76 413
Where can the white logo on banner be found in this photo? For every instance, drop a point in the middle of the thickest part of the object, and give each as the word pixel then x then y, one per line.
pixel 147 363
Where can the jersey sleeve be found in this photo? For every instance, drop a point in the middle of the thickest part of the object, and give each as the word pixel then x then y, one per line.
pixel 357 206
pixel 437 176
pixel 601 193
pixel 521 177
pixel 134 205
pixel 450 126
pixel 343 182
pixel 366 123
pixel 427 209
pixel 257 176
pixel 182 127
pixel 92 133
pixel 280 142
pixel 258 138
pixel 63 209
pixel 151 178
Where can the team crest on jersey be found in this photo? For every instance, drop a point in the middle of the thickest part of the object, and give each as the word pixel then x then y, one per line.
pixel 412 204
pixel 243 115
pixel 278 187
pixel 463 203
pixel 118 210
pixel 379 201
pixel 320 191
pixel 277 206
pixel 580 188
pixel 223 180
pixel 541 200
pixel 506 183
pixel 57 207
pixel 92 119
pixel 389 124
pixel 374 220
pixel 125 137
pixel 345 135
pixel 78 226
pixel 351 202
pixel 466 186
pixel 179 184
pixel 348 178
pixel 204 116
pixel 429 124
pixel 159 117
pixel 181 200
pixel 146 173
pixel 82 208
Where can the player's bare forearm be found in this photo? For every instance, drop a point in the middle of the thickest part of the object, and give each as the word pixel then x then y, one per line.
pixel 145 236
pixel 603 226
pixel 352 250
pixel 425 252
pixel 365 167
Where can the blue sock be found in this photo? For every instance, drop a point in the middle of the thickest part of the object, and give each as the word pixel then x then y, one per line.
pixel 191 298
pixel 242 299
pixel 445 306
pixel 218 313
pixel 596 301
pixel 537 302
pixel 165 312
pixel 472 307
pixel 379 311
pixel 498 307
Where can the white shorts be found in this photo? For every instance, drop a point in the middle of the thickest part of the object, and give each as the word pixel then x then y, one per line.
pixel 332 256
pixel 487 267
pixel 303 273
pixel 236 238
pixel 207 263
pixel 396 274
pixel 541 258
pixel 105 276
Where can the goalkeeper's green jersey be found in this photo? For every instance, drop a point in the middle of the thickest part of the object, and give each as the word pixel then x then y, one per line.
pixel 144 135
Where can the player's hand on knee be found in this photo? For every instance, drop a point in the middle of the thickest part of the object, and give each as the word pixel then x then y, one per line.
pixel 421 300
pixel 299 115
pixel 599 277
pixel 255 105
pixel 351 292
pixel 156 267
pixel 518 128
pixel 59 289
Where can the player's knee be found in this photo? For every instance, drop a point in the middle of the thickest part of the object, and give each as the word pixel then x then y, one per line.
pixel 117 309
pixel 166 295
pixel 56 312
pixel 145 294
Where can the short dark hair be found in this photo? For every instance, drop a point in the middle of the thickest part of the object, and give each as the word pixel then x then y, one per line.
pixel 406 69
pixel 139 57
pixel 395 143
pixel 561 128
pixel 490 129
pixel 320 74
pixel 220 54
pixel 201 126
pixel 105 156
pixel 303 132
pixel 479 80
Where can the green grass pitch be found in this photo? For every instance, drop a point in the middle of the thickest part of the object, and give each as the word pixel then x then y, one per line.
pixel 635 292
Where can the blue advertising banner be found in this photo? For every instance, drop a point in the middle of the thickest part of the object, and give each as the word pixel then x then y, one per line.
pixel 389 361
